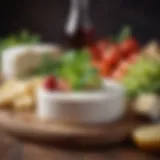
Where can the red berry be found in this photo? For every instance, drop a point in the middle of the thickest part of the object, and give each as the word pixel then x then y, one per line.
pixel 95 52
pixel 133 58
pixel 117 75
pixel 129 46
pixel 50 83
pixel 123 66
pixel 112 55
pixel 102 45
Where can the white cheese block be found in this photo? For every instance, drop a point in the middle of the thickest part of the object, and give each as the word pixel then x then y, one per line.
pixel 19 61
pixel 85 107
pixel 148 104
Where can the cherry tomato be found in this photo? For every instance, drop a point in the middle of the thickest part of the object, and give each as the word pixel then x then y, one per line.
pixel 102 45
pixel 105 70
pixel 129 46
pixel 121 70
pixel 117 75
pixel 132 58
pixel 112 56
pixel 95 53
pixel 50 83
pixel 123 66
pixel 98 48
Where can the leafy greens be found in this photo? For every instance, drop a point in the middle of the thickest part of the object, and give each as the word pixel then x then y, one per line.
pixel 23 37
pixel 75 67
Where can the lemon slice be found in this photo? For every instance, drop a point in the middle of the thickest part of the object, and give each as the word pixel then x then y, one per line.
pixel 148 137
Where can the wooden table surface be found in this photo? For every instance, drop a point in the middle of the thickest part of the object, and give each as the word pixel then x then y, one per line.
pixel 11 149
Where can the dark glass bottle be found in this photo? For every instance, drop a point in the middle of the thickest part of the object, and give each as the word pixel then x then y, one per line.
pixel 79 31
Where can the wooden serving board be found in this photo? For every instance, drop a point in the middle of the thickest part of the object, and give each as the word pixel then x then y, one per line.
pixel 27 126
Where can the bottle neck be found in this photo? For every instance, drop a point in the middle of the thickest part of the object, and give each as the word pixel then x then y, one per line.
pixel 74 4
pixel 78 29
pixel 84 11
pixel 78 15
pixel 73 17
pixel 79 4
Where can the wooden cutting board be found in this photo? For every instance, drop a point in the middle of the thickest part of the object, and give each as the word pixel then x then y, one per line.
pixel 27 126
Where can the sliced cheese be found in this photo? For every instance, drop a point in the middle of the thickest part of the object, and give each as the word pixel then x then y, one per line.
pixel 23 103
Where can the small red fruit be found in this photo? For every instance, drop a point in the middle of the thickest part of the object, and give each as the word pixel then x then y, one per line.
pixel 95 53
pixel 102 45
pixel 133 58
pixel 98 49
pixel 129 46
pixel 50 83
pixel 112 55
pixel 123 67
pixel 105 70
pixel 117 75
pixel 121 70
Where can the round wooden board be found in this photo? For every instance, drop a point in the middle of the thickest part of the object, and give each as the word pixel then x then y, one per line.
pixel 27 126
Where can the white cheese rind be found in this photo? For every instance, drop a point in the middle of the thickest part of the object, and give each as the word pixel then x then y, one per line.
pixel 18 61
pixel 98 107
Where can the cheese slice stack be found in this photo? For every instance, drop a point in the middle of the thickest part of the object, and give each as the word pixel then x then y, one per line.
pixel 19 61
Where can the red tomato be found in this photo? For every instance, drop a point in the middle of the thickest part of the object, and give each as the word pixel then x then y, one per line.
pixel 132 58
pixel 104 70
pixel 102 45
pixel 123 66
pixel 50 83
pixel 117 75
pixel 99 48
pixel 95 53
pixel 129 46
pixel 121 70
pixel 112 56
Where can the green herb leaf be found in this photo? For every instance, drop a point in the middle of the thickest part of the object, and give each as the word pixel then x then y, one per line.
pixel 75 67
pixel 124 34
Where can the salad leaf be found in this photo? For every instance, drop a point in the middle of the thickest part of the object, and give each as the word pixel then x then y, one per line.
pixel 48 66
pixel 75 67
pixel 23 37
pixel 144 76
pixel 124 34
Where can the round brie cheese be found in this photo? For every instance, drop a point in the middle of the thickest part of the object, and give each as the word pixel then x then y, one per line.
pixel 83 107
